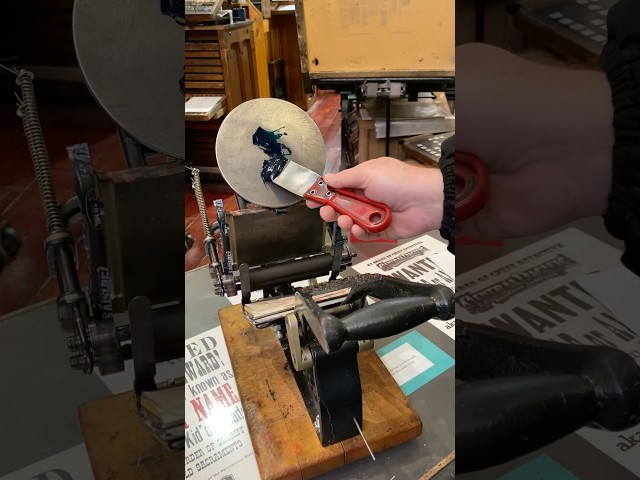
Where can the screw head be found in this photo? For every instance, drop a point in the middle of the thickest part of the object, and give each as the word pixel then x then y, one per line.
pixel 78 362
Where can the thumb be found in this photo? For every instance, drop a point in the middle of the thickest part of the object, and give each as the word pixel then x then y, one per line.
pixel 355 177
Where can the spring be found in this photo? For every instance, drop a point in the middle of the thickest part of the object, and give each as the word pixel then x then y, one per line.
pixel 202 206
pixel 28 111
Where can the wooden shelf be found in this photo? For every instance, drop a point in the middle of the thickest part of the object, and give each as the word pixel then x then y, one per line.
pixel 221 61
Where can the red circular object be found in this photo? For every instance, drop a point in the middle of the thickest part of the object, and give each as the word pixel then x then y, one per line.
pixel 472 185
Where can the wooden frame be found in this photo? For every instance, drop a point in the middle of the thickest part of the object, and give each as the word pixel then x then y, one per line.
pixel 392 38
pixel 220 60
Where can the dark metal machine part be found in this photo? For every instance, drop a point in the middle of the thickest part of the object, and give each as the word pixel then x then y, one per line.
pixel 330 381
pixel 10 243
pixel 333 400
pixel 263 236
pixel 351 94
pixel 143 208
pixel 96 340
pixel 383 319
pixel 521 394
pixel 105 349
pixel 263 246
pixel 130 93
pixel 109 345
pixel 274 278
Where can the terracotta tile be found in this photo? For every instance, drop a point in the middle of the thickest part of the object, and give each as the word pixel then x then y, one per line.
pixel 203 263
pixel 47 291
pixel 27 280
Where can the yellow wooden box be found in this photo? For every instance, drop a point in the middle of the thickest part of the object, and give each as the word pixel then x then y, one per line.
pixel 377 38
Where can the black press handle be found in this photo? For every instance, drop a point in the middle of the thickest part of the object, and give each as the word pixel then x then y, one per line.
pixel 502 418
pixel 383 319
pixel 522 393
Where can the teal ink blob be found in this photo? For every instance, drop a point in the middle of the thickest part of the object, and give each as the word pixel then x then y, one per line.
pixel 269 143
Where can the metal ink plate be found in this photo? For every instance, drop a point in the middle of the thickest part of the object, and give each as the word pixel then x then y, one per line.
pixel 283 129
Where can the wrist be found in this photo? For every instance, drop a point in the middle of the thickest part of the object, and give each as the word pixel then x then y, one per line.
pixel 433 197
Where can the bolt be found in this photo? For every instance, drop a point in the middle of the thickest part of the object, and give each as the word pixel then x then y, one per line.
pixel 74 343
pixel 278 330
pixel 78 362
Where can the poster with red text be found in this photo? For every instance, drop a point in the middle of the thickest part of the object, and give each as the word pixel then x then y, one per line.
pixel 217 441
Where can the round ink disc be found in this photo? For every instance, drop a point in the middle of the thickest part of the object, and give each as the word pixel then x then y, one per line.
pixel 266 129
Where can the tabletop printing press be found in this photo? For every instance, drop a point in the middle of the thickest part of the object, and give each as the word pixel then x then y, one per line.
pixel 322 334
pixel 133 308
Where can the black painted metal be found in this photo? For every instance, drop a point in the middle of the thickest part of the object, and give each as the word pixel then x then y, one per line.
pixel 331 390
pixel 144 356
pixel 383 319
pixel 346 102
pixel 340 396
pixel 384 286
pixel 93 235
pixel 522 393
pixel 288 272
pixel 426 84
pixel 337 248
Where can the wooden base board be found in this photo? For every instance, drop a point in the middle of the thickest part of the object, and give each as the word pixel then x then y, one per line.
pixel 284 440
pixel 119 446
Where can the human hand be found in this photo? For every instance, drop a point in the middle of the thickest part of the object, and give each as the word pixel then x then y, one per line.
pixel 414 194
pixel 545 135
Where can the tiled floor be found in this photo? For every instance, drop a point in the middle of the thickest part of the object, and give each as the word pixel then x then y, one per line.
pixel 26 280
pixel 325 112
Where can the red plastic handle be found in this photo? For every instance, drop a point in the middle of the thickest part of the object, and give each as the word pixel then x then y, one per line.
pixel 472 185
pixel 372 216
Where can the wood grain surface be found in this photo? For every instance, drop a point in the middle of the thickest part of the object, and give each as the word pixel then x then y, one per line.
pixel 283 436
pixel 120 447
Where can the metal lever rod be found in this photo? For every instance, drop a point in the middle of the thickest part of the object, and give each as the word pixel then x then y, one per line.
pixel 384 286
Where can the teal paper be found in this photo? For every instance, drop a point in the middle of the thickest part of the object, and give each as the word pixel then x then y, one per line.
pixel 540 468
pixel 441 361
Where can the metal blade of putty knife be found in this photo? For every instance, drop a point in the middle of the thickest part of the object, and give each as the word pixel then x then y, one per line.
pixel 372 216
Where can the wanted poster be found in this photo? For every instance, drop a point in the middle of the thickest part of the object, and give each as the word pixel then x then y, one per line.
pixel 217 441
pixel 536 292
